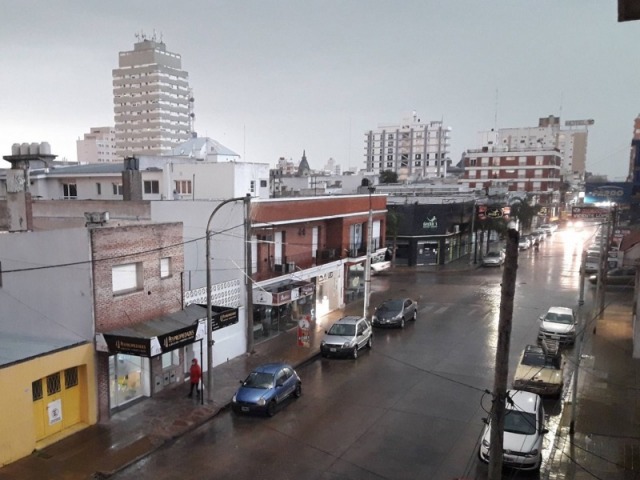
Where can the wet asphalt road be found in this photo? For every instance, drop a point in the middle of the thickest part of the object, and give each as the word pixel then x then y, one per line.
pixel 409 408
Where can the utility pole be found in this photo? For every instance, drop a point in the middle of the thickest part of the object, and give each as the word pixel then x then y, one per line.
pixel 248 261
pixel 471 237
pixel 502 354
pixel 367 265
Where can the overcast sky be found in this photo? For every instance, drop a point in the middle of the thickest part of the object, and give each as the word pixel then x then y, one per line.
pixel 272 78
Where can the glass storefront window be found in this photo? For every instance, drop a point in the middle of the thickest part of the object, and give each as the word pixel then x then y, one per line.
pixel 128 376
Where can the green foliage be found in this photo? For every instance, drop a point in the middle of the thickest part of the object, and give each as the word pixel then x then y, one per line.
pixel 388 176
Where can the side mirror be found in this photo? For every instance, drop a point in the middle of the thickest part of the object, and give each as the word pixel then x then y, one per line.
pixel 541 317
pixel 485 420
pixel 544 431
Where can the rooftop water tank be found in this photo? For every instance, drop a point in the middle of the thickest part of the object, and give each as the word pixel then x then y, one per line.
pixel 15 149
pixel 34 148
pixel 24 148
pixel 45 148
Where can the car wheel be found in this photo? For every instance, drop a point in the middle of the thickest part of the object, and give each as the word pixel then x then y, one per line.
pixel 415 316
pixel 370 342
pixel 354 353
pixel 271 408
pixel 298 391
pixel 402 322
pixel 323 355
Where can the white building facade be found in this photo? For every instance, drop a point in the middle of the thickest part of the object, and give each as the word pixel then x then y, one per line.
pixel 97 146
pixel 153 105
pixel 413 149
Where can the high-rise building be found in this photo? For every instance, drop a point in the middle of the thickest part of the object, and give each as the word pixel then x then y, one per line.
pixel 153 105
pixel 97 146
pixel 414 150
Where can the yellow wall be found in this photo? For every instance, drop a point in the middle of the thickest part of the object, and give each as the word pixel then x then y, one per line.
pixel 18 429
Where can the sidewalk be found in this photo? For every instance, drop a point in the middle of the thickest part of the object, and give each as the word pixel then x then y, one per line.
pixel 606 443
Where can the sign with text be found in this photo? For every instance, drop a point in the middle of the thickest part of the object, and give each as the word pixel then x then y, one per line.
pixel 589 212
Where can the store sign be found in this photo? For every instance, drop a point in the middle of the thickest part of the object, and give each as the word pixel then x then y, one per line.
pixel 222 317
pixel 140 347
pixel 589 212
pixel 617 192
pixel 178 338
pixel 307 289
pixel 304 329
pixel 430 223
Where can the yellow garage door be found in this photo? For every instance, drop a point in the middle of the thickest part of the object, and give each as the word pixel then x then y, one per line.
pixel 57 401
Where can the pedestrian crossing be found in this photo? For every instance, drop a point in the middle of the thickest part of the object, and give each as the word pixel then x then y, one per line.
pixel 442 309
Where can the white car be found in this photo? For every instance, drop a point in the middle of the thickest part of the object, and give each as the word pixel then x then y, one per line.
pixel 524 428
pixel 559 323
pixel 493 259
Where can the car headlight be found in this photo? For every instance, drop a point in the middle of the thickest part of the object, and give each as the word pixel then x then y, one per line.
pixel 346 344
pixel 234 398
pixel 532 453
pixel 261 401
pixel 323 343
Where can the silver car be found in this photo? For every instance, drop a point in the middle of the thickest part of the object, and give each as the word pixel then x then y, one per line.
pixel 559 323
pixel 395 313
pixel 346 337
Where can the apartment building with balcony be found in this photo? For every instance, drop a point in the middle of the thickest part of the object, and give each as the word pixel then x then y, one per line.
pixel 153 104
pixel 413 149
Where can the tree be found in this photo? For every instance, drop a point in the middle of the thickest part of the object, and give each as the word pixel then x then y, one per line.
pixel 388 176
pixel 524 212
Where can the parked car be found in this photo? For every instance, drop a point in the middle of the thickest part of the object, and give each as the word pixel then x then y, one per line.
pixel 549 228
pixel 540 370
pixel 493 259
pixel 346 337
pixel 625 276
pixel 265 388
pixel 395 313
pixel 559 323
pixel 524 428
pixel 524 243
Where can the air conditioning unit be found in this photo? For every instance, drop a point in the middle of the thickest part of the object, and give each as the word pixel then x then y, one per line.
pixel 291 267
pixel 96 217
pixel 278 268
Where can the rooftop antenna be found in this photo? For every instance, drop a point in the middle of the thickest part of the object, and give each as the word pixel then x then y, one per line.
pixel 137 35
pixel 495 115
pixel 561 101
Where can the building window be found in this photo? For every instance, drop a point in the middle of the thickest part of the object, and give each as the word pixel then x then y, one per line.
pixel 496 161
pixel 99 188
pixel 539 160
pixel 472 162
pixel 418 156
pixel 522 160
pixel 389 157
pixel 252 186
pixel 183 187
pixel 389 164
pixel 165 267
pixel 126 278
pixel 151 186
pixel 263 183
pixel 69 190
pixel 117 188
pixel 537 173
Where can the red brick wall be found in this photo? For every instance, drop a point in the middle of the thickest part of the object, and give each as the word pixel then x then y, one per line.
pixel 301 208
pixel 130 244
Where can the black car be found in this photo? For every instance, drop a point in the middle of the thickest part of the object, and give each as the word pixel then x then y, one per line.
pixel 395 313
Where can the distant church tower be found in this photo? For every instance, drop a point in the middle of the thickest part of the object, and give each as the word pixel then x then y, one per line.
pixel 303 168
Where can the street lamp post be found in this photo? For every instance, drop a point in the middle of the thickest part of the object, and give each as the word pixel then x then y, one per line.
pixel 367 265
pixel 209 319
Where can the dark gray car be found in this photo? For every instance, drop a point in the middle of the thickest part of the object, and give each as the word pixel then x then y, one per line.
pixel 395 312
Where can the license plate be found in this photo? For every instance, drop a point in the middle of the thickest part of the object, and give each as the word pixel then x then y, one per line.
pixel 332 349
pixel 555 337
pixel 245 409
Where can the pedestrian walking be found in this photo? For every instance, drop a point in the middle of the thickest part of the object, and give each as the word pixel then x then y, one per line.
pixel 195 373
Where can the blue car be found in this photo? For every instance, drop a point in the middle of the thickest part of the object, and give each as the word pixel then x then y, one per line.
pixel 265 388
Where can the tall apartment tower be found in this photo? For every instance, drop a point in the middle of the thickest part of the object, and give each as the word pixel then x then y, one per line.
pixel 153 105
pixel 97 146
pixel 414 150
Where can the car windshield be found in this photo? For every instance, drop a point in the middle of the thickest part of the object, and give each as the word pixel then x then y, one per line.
pixel 344 329
pixel 493 254
pixel 520 422
pixel 559 318
pixel 391 306
pixel 258 380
